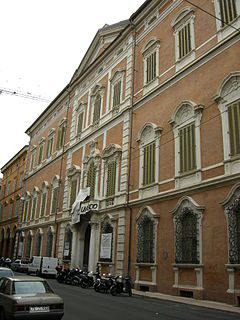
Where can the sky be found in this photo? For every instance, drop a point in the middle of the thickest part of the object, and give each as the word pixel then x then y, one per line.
pixel 41 45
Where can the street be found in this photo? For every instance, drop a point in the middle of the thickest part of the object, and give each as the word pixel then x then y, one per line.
pixel 86 304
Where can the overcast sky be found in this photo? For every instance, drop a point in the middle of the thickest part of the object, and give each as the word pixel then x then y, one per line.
pixel 42 44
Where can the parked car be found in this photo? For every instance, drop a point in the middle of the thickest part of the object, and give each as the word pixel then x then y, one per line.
pixel 19 266
pixel 25 297
pixel 5 272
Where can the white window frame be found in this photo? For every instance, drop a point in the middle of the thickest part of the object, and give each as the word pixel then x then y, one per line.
pixel 184 17
pixel 117 76
pixel 224 32
pixel 112 153
pixel 228 93
pixel 73 174
pixel 148 134
pixel 153 45
pixel 185 114
pixel 98 90
pixel 79 109
pixel 35 194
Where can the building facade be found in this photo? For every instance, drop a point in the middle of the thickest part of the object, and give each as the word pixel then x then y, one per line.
pixel 10 202
pixel 135 166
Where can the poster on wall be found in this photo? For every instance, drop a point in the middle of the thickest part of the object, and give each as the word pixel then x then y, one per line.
pixel 106 246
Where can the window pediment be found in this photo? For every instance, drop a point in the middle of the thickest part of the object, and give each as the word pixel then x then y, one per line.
pixel 182 16
pixel 150 46
pixel 187 202
pixel 118 74
pixel 184 112
pixel 228 86
pixel 148 133
pixel 74 170
pixel 111 150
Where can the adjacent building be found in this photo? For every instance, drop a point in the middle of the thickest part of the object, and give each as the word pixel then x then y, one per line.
pixel 135 165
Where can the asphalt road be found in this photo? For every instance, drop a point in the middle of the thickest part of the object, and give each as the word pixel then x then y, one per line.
pixel 86 304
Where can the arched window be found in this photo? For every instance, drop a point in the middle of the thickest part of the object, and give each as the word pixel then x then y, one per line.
pixel 38 243
pixel 146 235
pixel 28 245
pixel 49 244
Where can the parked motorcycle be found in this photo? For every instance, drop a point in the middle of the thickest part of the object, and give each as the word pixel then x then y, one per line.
pixel 87 279
pixel 121 285
pixel 103 283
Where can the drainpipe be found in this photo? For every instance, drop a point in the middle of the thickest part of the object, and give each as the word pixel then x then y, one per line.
pixel 60 176
pixel 130 148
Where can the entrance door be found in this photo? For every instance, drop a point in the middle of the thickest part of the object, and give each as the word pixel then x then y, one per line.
pixel 86 247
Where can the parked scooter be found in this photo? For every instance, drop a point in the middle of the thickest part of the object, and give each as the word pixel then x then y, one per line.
pixel 121 285
pixel 103 283
pixel 87 279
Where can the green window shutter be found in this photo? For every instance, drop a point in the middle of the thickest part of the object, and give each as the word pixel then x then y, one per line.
pixel 184 39
pixel 73 192
pixel 91 176
pixel 187 149
pixel 228 11
pixel 97 107
pixel 151 67
pixel 116 94
pixel 54 200
pixel 111 179
pixel 59 139
pixel 149 164
pixel 234 128
pixel 40 154
pixel 79 123
pixel 34 207
pixel 44 198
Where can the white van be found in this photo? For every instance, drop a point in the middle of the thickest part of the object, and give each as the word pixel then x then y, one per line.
pixel 43 266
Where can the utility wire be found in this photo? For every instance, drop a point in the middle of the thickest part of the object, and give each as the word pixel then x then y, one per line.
pixel 21 94
pixel 212 15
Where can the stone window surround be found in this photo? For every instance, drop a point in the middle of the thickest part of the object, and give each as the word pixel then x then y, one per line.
pixel 185 16
pixel 184 114
pixel 149 133
pixel 226 95
pixel 152 45
pixel 224 32
pixel 187 201
pixel 117 76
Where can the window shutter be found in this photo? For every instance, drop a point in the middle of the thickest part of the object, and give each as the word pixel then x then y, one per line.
pixel 44 197
pixel 234 128
pixel 73 192
pixel 34 207
pixel 116 94
pixel 111 179
pixel 187 154
pixel 97 106
pixel 91 175
pixel 228 11
pixel 149 164
pixel 54 200
pixel 80 123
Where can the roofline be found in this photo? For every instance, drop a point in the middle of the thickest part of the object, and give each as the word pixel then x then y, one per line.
pixel 14 157
pixel 139 10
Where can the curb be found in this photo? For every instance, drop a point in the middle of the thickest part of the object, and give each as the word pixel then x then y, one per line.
pixel 195 302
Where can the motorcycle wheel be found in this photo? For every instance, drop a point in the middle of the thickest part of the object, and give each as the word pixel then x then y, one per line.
pixel 113 291
pixel 76 282
pixel 83 284
pixel 96 288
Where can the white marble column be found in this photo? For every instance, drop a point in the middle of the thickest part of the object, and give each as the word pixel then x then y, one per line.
pixel 74 247
pixel 93 249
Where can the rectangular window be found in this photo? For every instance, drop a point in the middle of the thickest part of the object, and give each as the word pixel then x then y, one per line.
pixel 149 164
pixel 60 138
pixel 228 11
pixel 111 179
pixel 14 184
pixel 97 108
pixel 5 212
pixel 184 41
pixel 20 180
pixel 17 207
pixel 116 94
pixel 49 147
pixel 26 210
pixel 40 154
pixel 73 192
pixel 10 210
pixel 54 200
pixel 151 67
pixel 187 149
pixel 43 204
pixel 79 122
pixel 234 128
pixel 91 177
pixel 32 161
pixel 34 205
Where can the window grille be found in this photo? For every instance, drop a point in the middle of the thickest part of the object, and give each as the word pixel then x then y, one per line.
pixel 149 164
pixel 228 11
pixel 186 233
pixel 151 67
pixel 233 213
pixel 187 149
pixel 91 177
pixel 234 128
pixel 111 178
pixel 184 41
pixel 145 240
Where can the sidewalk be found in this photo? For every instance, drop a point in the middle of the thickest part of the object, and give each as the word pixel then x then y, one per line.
pixel 200 303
